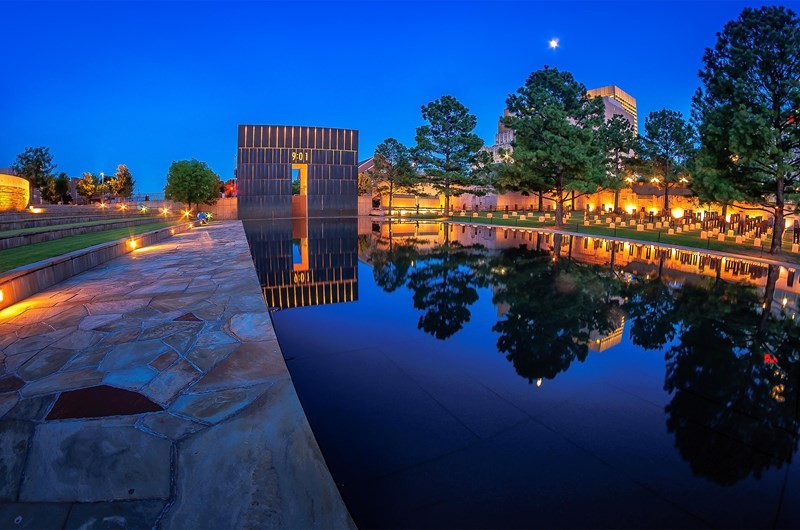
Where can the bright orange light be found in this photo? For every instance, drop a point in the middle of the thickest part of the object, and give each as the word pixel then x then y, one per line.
pixel 186 213
pixel 36 210
pixel 165 211
pixel 172 231
pixel 1 295
pixel 655 180
pixel 132 243
pixel 190 225
pixel 677 213
pixel 144 209
pixel 122 206
pixel 102 205
pixel 630 208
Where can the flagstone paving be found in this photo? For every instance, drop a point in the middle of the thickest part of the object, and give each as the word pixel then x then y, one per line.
pixel 178 336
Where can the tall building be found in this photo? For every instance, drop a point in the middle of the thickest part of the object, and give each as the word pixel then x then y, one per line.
pixel 617 101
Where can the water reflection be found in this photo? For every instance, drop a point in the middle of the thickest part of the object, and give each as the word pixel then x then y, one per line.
pixel 732 371
pixel 732 350
pixel 305 262
pixel 552 309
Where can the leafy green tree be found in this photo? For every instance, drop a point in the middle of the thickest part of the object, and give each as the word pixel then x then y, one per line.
pixel 35 164
pixel 747 110
pixel 122 184
pixel 619 140
pixel 87 186
pixel 447 147
pixel 364 183
pixel 557 146
pixel 665 149
pixel 392 170
pixel 61 188
pixel 192 182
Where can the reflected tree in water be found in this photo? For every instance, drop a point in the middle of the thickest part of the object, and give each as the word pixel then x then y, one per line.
pixel 733 375
pixel 552 306
pixel 445 283
pixel 391 260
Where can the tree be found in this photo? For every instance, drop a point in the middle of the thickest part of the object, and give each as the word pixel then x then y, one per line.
pixel 192 182
pixel 665 149
pixel 61 188
pixel 122 184
pixel 747 109
pixel 619 139
pixel 393 171
pixel 557 146
pixel 446 149
pixel 364 183
pixel 35 164
pixel 87 186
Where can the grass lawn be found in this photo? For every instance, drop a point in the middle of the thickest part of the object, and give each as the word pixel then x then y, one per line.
pixel 686 239
pixel 38 229
pixel 16 257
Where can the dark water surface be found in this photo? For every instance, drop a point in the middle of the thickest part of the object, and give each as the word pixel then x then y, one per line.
pixel 465 377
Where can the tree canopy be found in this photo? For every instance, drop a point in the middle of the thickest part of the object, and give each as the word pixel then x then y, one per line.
pixel 192 182
pixel 122 184
pixel 35 164
pixel 666 149
pixel 447 148
pixel 557 146
pixel 393 171
pixel 747 112
pixel 619 140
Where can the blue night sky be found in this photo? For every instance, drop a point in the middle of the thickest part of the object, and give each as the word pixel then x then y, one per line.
pixel 147 83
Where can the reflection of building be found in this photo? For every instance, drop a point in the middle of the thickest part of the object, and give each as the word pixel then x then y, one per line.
pixel 598 342
pixel 618 102
pixel 305 262
pixel 324 161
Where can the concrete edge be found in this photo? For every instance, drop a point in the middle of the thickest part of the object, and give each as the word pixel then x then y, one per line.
pixel 23 282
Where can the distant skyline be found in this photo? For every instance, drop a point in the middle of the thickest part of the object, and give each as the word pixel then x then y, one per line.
pixel 146 83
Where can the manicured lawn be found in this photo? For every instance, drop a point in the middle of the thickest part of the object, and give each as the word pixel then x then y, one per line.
pixel 69 225
pixel 686 239
pixel 16 257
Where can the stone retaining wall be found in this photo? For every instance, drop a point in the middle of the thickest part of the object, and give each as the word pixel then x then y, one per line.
pixel 20 283
pixel 34 221
pixel 19 240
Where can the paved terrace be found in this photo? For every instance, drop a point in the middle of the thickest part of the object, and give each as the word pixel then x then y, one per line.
pixel 151 391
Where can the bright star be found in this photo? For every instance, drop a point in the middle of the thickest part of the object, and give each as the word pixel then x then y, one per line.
pixel 553 43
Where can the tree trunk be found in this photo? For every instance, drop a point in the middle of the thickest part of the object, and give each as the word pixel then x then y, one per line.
pixel 777 230
pixel 391 194
pixel 724 216
pixel 666 198
pixel 616 201
pixel 559 207
pixel 447 198
pixel 541 199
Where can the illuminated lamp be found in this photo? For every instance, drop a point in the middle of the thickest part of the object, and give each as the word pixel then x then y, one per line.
pixel 1 295
pixel 132 243
pixel 677 213
pixel 165 211
pixel 728 218
pixel 144 209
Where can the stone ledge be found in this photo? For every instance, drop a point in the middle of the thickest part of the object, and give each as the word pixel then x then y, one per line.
pixel 25 281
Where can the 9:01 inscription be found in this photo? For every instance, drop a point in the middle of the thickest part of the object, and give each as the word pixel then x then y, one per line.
pixel 301 157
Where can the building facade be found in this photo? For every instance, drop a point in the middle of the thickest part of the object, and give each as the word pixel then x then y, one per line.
pixel 322 161
pixel 619 102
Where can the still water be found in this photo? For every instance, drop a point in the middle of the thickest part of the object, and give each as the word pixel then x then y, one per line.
pixel 463 377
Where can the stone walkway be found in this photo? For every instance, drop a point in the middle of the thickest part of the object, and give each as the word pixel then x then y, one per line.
pixel 151 392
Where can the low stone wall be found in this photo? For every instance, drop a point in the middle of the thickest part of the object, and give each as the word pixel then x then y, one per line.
pixel 18 240
pixel 20 283
pixel 33 221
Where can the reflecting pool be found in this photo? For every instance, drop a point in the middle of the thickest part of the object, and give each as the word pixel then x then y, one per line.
pixel 463 377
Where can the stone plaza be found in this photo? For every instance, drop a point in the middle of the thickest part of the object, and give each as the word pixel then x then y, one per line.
pixel 151 391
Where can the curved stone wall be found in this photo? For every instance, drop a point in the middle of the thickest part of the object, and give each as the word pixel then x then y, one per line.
pixel 14 193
